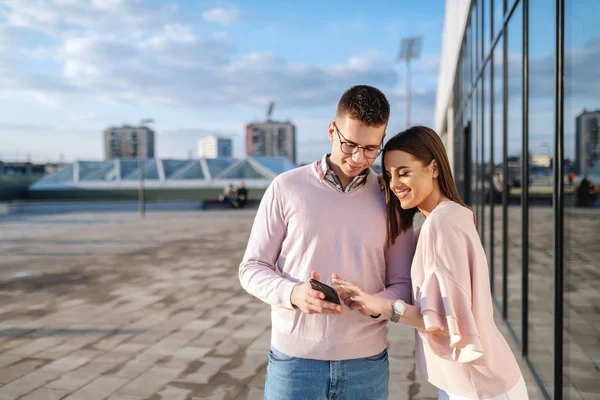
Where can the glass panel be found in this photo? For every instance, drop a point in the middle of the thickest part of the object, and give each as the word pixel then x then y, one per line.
pixel 150 170
pixel 582 208
pixel 243 171
pixel 498 15
pixel 487 166
pixel 64 175
pixel 475 157
pixel 218 165
pixel 514 35
pixel 172 166
pixel 277 165
pixel 498 160
pixel 542 59
pixel 475 40
pixel 193 172
pixel 487 22
pixel 127 167
pixel 97 171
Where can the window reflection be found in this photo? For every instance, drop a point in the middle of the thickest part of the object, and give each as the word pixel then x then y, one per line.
pixel 582 208
pixel 540 189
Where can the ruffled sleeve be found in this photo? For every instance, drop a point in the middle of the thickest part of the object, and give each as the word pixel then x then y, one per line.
pixel 447 308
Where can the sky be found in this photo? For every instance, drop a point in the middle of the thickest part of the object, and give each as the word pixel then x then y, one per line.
pixel 71 68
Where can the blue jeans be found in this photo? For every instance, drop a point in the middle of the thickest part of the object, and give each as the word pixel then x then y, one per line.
pixel 291 378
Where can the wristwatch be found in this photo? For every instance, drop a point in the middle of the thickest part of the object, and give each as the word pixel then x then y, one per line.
pixel 398 307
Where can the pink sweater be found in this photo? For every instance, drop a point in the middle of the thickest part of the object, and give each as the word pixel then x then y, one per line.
pixel 305 223
pixel 450 281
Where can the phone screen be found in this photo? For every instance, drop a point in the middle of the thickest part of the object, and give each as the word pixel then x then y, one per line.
pixel 330 293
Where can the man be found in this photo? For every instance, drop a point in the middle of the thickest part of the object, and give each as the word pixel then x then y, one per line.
pixel 322 219
pixel 583 193
pixel 241 196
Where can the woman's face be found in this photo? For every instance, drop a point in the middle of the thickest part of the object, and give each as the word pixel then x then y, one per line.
pixel 410 180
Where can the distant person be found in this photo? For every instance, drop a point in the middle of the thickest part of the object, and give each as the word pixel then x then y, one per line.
pixel 229 195
pixel 329 216
pixel 571 178
pixel 583 193
pixel 241 196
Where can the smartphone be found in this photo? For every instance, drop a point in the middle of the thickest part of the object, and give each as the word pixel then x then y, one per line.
pixel 329 292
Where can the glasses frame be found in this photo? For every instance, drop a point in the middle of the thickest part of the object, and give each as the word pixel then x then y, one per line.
pixel 358 147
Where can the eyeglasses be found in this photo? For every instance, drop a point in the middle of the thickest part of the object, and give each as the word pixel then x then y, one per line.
pixel 351 148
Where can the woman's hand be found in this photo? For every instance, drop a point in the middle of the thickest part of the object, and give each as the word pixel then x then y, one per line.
pixel 357 299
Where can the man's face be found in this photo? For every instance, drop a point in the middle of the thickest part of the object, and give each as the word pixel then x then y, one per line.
pixel 353 133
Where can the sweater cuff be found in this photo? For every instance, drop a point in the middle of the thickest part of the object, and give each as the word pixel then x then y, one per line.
pixel 286 294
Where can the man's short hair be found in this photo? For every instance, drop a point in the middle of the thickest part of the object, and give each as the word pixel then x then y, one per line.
pixel 365 104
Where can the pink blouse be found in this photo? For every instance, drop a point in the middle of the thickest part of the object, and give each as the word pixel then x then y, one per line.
pixel 450 281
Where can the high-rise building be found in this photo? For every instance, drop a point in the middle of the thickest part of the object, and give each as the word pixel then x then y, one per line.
pixel 215 147
pixel 128 141
pixel 271 139
pixel 587 140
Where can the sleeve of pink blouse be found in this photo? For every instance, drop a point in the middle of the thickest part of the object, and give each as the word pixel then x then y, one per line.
pixel 445 298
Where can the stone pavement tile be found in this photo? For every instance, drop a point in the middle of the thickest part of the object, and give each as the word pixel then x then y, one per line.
pixel 220 392
pixel 211 338
pixel 12 343
pixel 18 370
pixel 110 342
pixel 424 389
pixel 174 393
pixel 210 367
pixel 185 355
pixel 251 394
pixel 6 361
pixel 233 322
pixel 26 384
pixel 263 342
pixel 77 343
pixel 114 357
pixel 130 348
pixel 74 380
pixel 99 389
pixel 151 381
pixel 199 325
pixel 72 361
pixel 247 333
pixel 46 394
pixel 250 365
pixel 131 370
pixel 228 347
pixel 127 397
pixel 258 382
pixel 169 345
pixel 149 321
pixel 403 369
pixel 34 347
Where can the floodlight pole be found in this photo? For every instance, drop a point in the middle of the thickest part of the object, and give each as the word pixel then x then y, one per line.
pixel 142 205
pixel 410 50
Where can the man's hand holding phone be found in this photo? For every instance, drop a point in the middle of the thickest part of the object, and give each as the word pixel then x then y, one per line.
pixel 311 301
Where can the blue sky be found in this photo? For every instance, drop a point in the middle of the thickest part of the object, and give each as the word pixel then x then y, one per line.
pixel 70 68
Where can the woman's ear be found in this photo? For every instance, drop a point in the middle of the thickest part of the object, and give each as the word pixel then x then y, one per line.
pixel 436 170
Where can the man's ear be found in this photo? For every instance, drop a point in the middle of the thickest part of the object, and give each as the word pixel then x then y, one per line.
pixel 331 131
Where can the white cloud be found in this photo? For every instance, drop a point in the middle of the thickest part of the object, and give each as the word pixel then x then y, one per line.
pixel 60 18
pixel 223 16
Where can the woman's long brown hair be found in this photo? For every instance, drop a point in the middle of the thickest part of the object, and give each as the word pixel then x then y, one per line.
pixel 425 145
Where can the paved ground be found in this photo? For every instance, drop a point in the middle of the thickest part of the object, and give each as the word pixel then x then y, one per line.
pixel 108 306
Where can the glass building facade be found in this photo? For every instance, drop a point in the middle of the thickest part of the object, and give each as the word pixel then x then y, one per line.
pixel 521 123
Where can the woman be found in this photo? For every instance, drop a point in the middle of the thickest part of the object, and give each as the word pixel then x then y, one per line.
pixel 458 346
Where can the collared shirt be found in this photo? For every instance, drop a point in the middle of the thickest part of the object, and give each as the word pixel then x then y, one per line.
pixel 327 173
